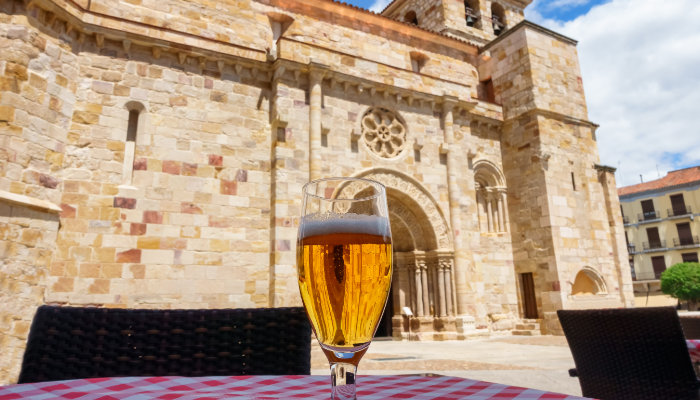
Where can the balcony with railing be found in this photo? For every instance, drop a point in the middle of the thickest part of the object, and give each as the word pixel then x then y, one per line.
pixel 631 249
pixel 661 244
pixel 686 241
pixel 679 211
pixel 649 216
pixel 625 220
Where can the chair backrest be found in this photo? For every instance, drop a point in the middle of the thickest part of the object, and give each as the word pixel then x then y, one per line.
pixel 75 343
pixel 691 326
pixel 635 353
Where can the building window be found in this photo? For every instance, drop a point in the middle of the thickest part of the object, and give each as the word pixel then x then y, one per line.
pixel 654 241
pixel 383 132
pixel 418 60
pixel 485 91
pixel 411 18
pixel 648 211
pixel 491 197
pixel 634 273
pixel 685 237
pixel 690 257
pixel 678 206
pixel 134 124
pixel 659 265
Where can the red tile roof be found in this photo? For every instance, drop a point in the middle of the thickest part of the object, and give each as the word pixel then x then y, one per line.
pixel 673 178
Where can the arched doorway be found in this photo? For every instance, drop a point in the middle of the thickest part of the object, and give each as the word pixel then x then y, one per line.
pixel 423 258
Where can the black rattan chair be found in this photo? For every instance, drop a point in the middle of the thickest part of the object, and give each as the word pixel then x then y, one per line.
pixel 633 354
pixel 691 326
pixel 75 343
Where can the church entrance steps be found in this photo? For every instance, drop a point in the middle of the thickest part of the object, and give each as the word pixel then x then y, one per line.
pixel 527 327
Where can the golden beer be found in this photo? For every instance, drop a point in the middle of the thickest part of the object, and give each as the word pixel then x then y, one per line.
pixel 344 279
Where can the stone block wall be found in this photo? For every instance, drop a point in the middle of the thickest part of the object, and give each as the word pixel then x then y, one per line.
pixel 233 107
pixel 571 229
pixel 27 241
pixel 190 229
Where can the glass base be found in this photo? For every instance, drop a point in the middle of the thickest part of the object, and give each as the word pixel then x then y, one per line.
pixel 343 372
pixel 343 381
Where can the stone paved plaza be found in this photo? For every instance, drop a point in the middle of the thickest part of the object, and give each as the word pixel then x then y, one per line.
pixel 538 362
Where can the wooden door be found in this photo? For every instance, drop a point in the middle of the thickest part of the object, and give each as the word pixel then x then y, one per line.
pixel 690 257
pixel 653 237
pixel 648 209
pixel 659 265
pixel 684 235
pixel 528 292
pixel 678 204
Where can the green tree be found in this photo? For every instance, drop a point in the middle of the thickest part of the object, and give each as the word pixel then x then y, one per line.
pixel 682 281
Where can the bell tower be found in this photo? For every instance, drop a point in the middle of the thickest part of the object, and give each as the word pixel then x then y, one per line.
pixel 477 21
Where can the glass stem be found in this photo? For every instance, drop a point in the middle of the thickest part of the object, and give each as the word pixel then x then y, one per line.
pixel 343 381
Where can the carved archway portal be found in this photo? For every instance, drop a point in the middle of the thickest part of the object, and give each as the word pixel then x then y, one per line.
pixel 423 257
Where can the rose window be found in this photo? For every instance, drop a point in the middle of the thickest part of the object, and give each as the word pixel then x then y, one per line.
pixel 383 132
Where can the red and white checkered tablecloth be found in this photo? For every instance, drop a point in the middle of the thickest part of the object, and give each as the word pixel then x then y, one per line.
pixel 373 387
pixel 694 350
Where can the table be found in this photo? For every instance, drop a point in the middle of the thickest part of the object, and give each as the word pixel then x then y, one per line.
pixel 316 387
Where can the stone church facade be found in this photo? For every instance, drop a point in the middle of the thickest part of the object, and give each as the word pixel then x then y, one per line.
pixel 152 154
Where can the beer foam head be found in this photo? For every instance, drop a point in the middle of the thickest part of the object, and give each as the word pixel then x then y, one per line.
pixel 328 223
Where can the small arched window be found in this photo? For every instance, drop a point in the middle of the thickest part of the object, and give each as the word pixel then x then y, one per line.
pixel 491 198
pixel 498 18
pixel 134 124
pixel 411 18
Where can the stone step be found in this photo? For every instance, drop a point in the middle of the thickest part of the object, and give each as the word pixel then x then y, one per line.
pixel 527 327
pixel 526 333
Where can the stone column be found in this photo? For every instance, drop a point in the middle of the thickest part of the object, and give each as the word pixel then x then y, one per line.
pixel 419 291
pixel 504 209
pixel 316 74
pixel 442 309
pixel 454 196
pixel 499 202
pixel 448 286
pixel 424 286
pixel 489 212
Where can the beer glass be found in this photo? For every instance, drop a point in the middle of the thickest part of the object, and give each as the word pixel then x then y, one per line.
pixel 344 266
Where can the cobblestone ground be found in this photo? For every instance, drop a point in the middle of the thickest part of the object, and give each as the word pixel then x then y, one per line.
pixel 539 362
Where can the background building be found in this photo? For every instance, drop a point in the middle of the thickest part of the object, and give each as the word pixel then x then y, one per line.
pixel 152 154
pixel 661 229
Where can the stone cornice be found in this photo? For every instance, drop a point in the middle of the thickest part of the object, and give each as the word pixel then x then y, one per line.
pixel 354 17
pixel 31 202
pixel 604 168
pixel 556 115
pixel 525 24
pixel 74 18
pixel 79 16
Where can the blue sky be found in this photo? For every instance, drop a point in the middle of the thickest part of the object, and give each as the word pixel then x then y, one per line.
pixel 562 10
pixel 639 63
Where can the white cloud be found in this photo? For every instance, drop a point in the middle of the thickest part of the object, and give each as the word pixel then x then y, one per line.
pixel 379 5
pixel 640 62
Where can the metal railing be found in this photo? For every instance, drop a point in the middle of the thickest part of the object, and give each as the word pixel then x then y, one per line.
pixel 677 211
pixel 661 244
pixel 691 241
pixel 646 216
pixel 625 219
pixel 631 249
